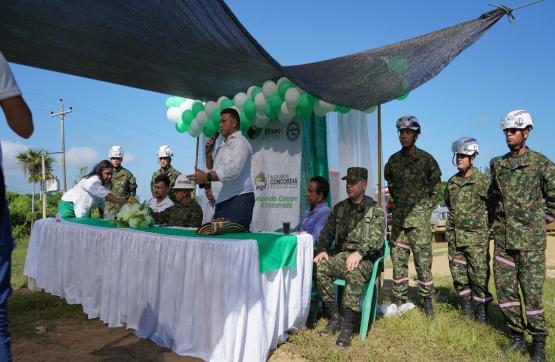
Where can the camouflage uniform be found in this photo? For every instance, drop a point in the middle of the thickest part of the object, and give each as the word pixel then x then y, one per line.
pixel 522 191
pixel 353 227
pixel 172 173
pixel 123 184
pixel 467 235
pixel 189 215
pixel 413 182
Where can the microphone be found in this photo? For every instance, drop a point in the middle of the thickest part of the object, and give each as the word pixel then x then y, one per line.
pixel 213 139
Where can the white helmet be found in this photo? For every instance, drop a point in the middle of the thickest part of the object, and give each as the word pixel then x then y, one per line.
pixel 164 151
pixel 519 119
pixel 115 151
pixel 408 122
pixel 183 183
pixel 466 146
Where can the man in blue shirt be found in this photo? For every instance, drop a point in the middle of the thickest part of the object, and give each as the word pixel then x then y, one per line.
pixel 314 219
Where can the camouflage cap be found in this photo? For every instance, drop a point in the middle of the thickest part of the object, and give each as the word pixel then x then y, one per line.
pixel 356 173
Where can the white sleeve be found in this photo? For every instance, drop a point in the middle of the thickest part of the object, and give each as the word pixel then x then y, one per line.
pixel 95 187
pixel 236 156
pixel 8 86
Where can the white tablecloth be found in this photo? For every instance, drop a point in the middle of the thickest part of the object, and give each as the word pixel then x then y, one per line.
pixel 199 297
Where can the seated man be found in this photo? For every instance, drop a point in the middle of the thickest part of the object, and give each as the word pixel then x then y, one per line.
pixel 209 205
pixel 186 212
pixel 357 225
pixel 160 201
pixel 313 219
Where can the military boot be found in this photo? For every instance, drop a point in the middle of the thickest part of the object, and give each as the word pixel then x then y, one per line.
pixel 428 307
pixel 482 313
pixel 468 306
pixel 347 325
pixel 517 343
pixel 333 322
pixel 538 351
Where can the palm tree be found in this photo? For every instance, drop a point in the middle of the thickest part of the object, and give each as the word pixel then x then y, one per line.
pixel 31 162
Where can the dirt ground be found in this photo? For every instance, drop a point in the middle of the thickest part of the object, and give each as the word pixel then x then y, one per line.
pixel 96 342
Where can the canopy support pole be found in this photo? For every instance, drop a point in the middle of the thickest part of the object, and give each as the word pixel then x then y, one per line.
pixel 380 188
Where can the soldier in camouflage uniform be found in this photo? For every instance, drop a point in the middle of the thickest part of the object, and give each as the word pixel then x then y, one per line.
pixel 123 183
pixel 357 226
pixel 165 155
pixel 523 197
pixel 467 229
pixel 186 211
pixel 413 178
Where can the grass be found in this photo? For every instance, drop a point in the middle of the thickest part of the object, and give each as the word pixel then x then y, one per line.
pixel 18 262
pixel 448 337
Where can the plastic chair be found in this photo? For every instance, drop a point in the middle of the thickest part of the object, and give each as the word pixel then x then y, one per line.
pixel 370 295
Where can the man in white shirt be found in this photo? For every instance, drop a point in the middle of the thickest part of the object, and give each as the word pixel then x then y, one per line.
pixel 20 120
pixel 232 167
pixel 161 200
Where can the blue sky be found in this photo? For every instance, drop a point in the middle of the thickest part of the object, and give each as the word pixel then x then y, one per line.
pixel 510 67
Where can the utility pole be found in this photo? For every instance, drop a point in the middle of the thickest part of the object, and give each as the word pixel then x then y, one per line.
pixel 61 115
pixel 43 181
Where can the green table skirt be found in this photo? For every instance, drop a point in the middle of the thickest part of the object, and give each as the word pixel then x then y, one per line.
pixel 274 251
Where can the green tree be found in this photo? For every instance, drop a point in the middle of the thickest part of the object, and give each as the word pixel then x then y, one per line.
pixel 31 163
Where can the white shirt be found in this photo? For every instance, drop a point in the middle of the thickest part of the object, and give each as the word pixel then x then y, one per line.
pixel 160 206
pixel 89 193
pixel 232 164
pixel 208 208
pixel 8 86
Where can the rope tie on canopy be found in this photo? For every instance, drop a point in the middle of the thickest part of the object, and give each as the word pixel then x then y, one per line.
pixel 509 11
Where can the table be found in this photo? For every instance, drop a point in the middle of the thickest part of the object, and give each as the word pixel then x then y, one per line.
pixel 200 297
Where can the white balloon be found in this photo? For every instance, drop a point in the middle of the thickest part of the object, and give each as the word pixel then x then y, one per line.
pixel 325 106
pixel 210 107
pixel 268 88
pixel 260 101
pixel 280 80
pixel 286 112
pixel 221 99
pixel 186 104
pixel 239 99
pixel 283 120
pixel 194 124
pixel 173 114
pixel 201 118
pixel 319 110
pixel 292 98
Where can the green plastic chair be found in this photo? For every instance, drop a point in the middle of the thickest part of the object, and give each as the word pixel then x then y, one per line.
pixel 370 295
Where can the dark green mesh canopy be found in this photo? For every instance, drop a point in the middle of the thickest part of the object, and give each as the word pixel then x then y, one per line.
pixel 198 49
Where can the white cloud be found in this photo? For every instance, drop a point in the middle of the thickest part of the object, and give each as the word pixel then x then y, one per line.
pixel 81 156
pixel 9 151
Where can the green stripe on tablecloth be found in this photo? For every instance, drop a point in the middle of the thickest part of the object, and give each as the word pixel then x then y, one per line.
pixel 274 251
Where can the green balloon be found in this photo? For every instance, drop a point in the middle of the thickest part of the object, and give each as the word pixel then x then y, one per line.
pixel 311 99
pixel 197 107
pixel 178 100
pixel 226 103
pixel 403 96
pixel 283 87
pixel 269 111
pixel 180 126
pixel 342 109
pixel 304 104
pixel 255 91
pixel 209 130
pixel 215 118
pixel 188 117
pixel 275 101
pixel 169 102
pixel 250 109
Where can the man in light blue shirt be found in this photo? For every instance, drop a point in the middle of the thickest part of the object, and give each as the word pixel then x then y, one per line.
pixel 232 167
pixel 314 219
